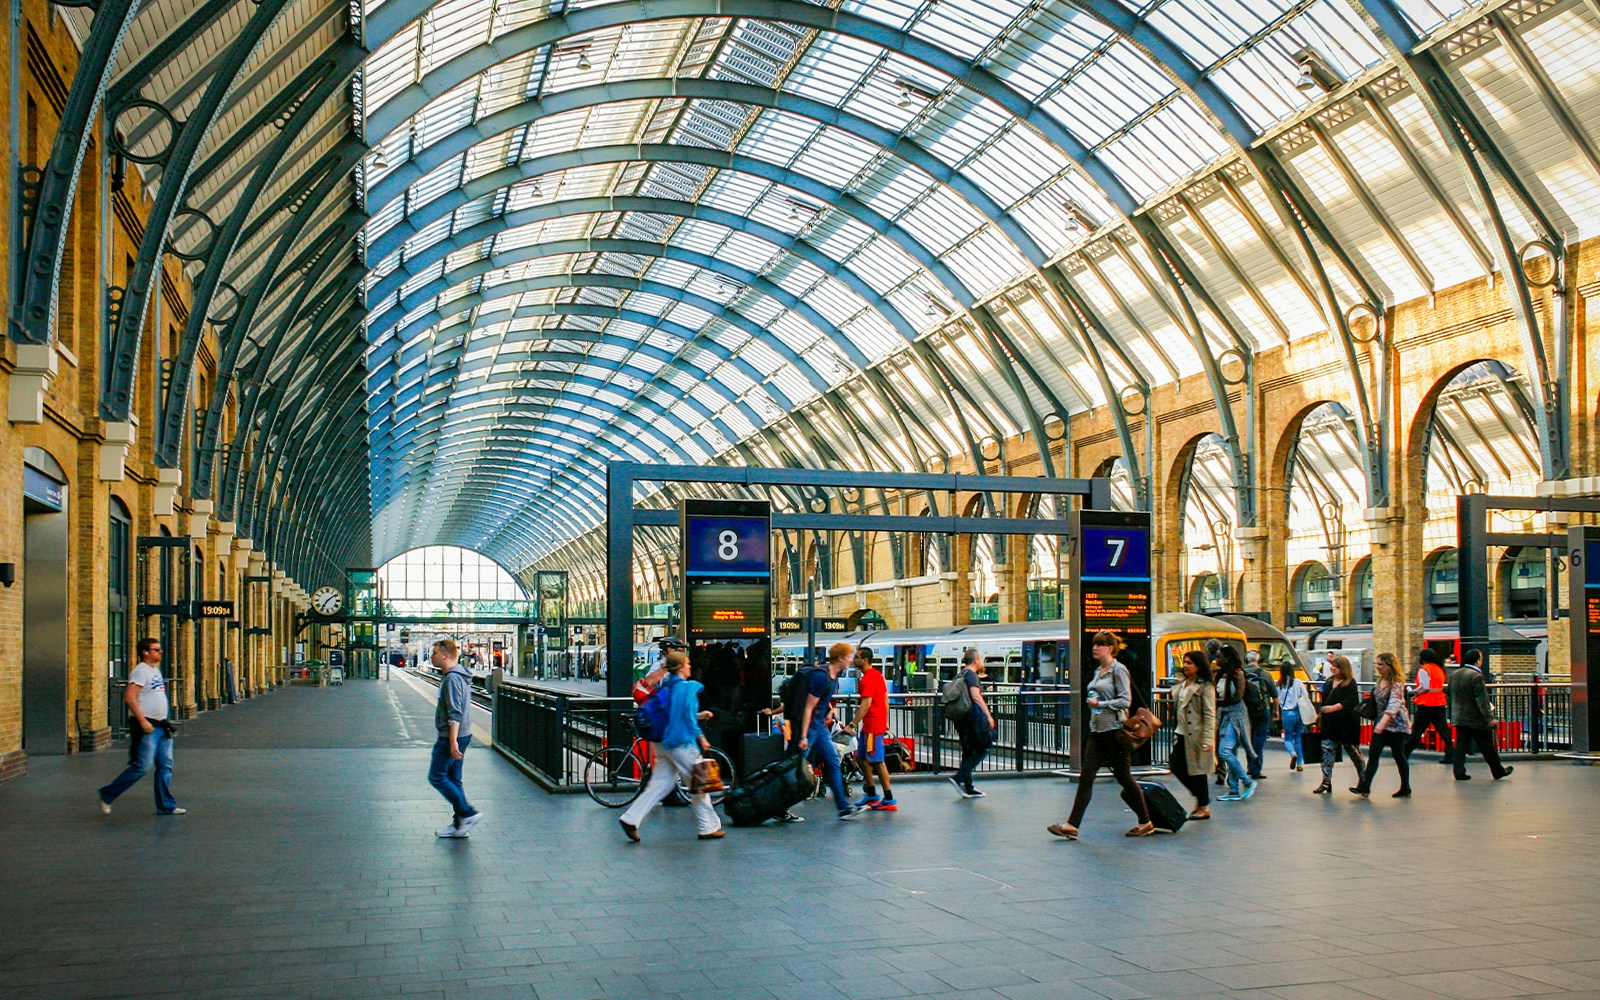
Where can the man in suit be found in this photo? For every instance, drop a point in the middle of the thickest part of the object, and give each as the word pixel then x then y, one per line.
pixel 1472 714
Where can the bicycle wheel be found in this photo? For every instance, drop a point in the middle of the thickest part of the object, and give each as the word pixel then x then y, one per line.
pixel 724 764
pixel 614 776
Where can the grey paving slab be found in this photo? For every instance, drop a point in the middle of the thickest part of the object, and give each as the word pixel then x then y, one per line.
pixel 307 868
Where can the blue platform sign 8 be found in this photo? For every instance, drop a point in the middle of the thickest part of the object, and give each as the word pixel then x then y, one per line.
pixel 1116 553
pixel 727 546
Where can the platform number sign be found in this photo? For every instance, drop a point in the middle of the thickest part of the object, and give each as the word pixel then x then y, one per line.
pixel 727 571
pixel 1110 585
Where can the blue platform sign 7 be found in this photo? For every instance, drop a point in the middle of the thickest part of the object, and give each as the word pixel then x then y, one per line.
pixel 1115 553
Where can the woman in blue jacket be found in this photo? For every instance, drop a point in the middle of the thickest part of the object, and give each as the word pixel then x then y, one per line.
pixel 677 753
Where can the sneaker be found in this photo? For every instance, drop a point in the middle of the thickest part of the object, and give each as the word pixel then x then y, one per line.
pixel 852 812
pixel 714 835
pixel 468 822
pixel 1249 789
pixel 629 829
pixel 105 808
pixel 790 817
pixel 959 786
pixel 451 832
pixel 973 792
pixel 1230 797
pixel 178 811
pixel 868 801
pixel 886 805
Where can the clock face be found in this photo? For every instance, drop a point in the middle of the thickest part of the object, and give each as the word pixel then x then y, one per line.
pixel 327 600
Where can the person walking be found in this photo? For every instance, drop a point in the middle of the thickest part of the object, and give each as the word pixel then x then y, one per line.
pixel 976 729
pixel 815 717
pixel 1108 695
pixel 1392 727
pixel 1429 699
pixel 677 753
pixel 871 727
pixel 452 720
pixel 149 733
pixel 1194 751
pixel 1290 691
pixel 1472 713
pixel 1339 720
pixel 1233 722
pixel 1261 705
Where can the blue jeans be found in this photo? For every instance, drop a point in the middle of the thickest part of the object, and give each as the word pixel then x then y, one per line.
pixel 1228 746
pixel 1258 741
pixel 444 774
pixel 822 749
pixel 1292 728
pixel 154 751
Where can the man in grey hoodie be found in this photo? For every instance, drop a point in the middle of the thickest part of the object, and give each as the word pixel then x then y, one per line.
pixel 452 717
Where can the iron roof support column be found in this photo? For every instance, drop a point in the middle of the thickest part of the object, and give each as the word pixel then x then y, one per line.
pixel 56 186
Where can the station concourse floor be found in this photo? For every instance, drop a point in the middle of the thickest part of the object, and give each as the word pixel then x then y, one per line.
pixel 307 867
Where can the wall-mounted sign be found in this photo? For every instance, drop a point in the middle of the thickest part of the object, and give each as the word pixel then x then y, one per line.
pixel 213 609
pixel 1583 556
pixel 727 568
pixel 1309 619
pixel 38 486
pixel 825 626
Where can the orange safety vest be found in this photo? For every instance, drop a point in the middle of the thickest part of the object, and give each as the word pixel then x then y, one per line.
pixel 1434 696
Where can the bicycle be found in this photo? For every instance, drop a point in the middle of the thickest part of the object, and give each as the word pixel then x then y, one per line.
pixel 614 776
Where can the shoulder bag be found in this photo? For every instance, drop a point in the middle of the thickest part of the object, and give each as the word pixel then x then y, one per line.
pixel 1306 708
pixel 1141 724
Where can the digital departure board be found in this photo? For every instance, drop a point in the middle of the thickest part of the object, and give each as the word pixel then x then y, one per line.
pixel 1110 585
pixel 727 568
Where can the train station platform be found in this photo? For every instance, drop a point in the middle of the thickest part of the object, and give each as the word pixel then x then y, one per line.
pixel 307 866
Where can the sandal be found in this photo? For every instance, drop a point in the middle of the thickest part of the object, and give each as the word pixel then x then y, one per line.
pixel 1200 814
pixel 1143 830
pixel 1066 830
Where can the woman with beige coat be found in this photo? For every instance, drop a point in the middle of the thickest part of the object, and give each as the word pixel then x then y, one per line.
pixel 1194 753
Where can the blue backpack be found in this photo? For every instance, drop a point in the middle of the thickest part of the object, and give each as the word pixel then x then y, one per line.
pixel 650 719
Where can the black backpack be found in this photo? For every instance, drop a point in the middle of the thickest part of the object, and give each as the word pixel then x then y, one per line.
pixel 1258 694
pixel 793 694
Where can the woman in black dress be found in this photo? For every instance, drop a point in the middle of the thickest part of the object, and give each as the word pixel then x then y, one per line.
pixel 1338 721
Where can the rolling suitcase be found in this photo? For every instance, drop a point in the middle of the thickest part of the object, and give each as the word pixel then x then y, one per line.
pixel 770 792
pixel 762 748
pixel 1165 812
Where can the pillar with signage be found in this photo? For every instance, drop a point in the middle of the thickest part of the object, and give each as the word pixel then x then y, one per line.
pixel 1110 583
pixel 1583 558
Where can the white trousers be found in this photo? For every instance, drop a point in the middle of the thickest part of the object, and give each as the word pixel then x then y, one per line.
pixel 672 763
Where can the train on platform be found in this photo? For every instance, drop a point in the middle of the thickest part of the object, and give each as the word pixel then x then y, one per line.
pixel 1358 642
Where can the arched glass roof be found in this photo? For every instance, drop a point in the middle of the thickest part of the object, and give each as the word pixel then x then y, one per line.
pixel 782 232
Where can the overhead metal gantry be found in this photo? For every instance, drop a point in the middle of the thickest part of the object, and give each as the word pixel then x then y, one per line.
pixel 460 257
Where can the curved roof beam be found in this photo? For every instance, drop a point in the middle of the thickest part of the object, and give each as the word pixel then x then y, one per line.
pixel 393 17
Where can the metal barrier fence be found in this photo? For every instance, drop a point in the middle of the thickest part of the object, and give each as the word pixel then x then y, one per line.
pixel 552 733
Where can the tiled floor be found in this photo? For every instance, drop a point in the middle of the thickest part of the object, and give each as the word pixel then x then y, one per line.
pixel 308 867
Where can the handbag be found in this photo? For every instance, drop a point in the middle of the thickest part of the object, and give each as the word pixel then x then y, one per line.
pixel 705 777
pixel 1369 708
pixel 1141 725
pixel 1307 709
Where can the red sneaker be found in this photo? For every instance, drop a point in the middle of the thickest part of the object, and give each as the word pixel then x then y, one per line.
pixel 886 806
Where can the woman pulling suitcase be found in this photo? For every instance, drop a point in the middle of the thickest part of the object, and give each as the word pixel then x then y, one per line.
pixel 1109 695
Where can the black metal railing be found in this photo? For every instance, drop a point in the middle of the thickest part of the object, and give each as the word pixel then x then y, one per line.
pixel 553 734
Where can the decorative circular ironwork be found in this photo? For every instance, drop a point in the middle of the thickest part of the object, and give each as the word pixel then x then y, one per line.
pixel 1055 427
pixel 167 117
pixel 1233 356
pixel 851 495
pixel 202 250
pixel 1132 401
pixel 1545 261
pixel 817 503
pixel 989 448
pixel 235 299
pixel 936 463
pixel 1362 322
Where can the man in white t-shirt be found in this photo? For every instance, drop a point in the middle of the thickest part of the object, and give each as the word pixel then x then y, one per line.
pixel 150 731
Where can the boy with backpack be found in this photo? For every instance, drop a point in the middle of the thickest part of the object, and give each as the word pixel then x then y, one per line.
pixel 1261 702
pixel 807 707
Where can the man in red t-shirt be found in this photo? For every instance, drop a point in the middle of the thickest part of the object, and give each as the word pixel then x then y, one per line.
pixel 872 725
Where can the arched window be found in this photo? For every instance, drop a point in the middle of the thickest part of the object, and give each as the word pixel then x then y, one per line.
pixel 1206 594
pixel 1313 595
pixel 1361 595
pixel 1441 584
pixel 1523 584
pixel 119 588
